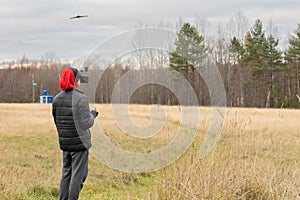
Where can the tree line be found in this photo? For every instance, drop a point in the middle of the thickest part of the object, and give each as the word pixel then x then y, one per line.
pixel 24 84
pixel 255 71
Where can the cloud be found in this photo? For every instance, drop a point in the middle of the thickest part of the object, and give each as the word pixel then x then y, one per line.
pixel 33 27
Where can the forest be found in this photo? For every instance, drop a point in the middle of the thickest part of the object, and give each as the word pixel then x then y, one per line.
pixel 255 70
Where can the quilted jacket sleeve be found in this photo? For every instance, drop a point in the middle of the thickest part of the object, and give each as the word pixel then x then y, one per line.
pixel 86 119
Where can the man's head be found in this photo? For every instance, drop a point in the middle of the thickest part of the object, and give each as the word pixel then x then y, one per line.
pixel 70 79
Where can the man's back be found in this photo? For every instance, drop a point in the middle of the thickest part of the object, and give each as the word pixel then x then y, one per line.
pixel 73 119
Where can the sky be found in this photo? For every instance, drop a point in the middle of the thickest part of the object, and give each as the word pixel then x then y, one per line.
pixel 34 27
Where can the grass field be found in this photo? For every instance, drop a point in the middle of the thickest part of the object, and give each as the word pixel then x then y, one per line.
pixel 256 157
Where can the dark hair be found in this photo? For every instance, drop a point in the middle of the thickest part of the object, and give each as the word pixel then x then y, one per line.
pixel 76 73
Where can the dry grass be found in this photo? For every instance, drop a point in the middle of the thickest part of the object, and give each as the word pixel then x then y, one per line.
pixel 257 157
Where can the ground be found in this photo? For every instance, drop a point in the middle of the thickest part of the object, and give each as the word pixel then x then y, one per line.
pixel 256 157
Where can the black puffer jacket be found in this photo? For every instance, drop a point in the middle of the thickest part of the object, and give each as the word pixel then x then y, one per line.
pixel 73 119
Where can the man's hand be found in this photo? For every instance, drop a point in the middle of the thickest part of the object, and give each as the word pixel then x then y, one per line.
pixel 95 113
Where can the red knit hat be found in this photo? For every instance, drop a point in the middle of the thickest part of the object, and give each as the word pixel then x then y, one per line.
pixel 67 80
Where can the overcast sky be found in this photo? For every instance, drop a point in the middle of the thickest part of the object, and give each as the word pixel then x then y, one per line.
pixel 33 27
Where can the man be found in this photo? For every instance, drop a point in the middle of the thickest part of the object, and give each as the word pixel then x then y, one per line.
pixel 73 118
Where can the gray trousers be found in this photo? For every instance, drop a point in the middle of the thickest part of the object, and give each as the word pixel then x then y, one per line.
pixel 74 173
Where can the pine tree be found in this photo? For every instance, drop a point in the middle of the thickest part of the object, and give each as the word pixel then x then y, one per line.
pixel 264 59
pixel 254 58
pixel 190 50
pixel 189 54
pixel 240 74
pixel 293 63
pixel 293 52
pixel 273 63
pixel 255 51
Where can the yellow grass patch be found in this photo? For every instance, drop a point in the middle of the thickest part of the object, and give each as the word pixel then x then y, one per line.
pixel 256 157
